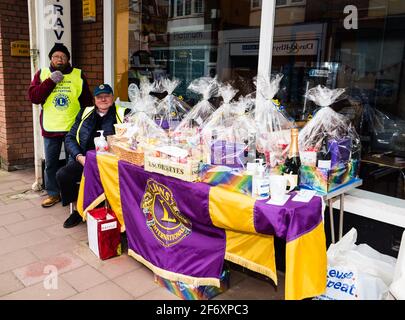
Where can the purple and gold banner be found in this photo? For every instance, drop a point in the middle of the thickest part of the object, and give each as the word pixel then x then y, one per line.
pixel 183 231
pixel 168 226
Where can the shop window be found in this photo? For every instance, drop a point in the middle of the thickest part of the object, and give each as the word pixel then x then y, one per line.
pixel 180 8
pixel 171 8
pixel 198 6
pixel 367 60
pixel 187 7
pixel 183 39
pixel 256 4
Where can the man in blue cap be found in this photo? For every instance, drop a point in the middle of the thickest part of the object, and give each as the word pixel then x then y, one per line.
pixel 80 139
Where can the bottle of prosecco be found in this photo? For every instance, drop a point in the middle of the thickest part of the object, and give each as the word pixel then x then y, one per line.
pixel 293 162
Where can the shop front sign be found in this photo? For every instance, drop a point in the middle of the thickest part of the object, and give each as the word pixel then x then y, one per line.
pixel 295 48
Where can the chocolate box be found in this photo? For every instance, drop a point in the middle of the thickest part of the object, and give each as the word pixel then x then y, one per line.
pixel 324 180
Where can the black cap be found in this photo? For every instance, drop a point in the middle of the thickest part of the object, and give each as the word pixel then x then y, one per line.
pixel 59 47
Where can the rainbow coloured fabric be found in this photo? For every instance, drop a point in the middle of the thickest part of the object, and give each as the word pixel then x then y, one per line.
pixel 190 292
pixel 183 231
pixel 231 180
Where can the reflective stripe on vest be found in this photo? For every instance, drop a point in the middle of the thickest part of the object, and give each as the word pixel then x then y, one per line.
pixel 119 114
pixel 62 105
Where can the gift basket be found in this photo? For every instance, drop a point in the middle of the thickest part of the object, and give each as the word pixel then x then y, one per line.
pixel 139 131
pixel 230 139
pixel 171 109
pixel 188 132
pixel 164 154
pixel 329 145
pixel 273 126
pixel 221 144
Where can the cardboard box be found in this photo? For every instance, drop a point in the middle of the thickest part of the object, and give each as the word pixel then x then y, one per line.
pixel 190 292
pixel 324 180
pixel 184 171
pixel 104 233
pixel 228 154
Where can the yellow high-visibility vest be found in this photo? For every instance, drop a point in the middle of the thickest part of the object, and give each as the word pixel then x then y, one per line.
pixel 119 113
pixel 62 105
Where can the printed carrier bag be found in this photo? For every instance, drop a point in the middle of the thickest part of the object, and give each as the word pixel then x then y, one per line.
pixel 357 272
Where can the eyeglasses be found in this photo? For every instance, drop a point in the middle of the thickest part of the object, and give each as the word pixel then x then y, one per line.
pixel 56 57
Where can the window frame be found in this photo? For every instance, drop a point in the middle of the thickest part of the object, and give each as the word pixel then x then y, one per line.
pixel 255 7
pixel 194 3
pixel 289 3
pixel 173 12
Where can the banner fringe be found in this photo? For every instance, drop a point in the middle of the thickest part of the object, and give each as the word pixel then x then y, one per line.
pixel 92 205
pixel 251 266
pixel 172 276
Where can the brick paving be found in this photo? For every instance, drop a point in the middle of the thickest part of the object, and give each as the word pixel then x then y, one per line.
pixel 33 243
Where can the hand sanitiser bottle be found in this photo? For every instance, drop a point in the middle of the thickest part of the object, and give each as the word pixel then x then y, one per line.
pixel 101 143
pixel 261 183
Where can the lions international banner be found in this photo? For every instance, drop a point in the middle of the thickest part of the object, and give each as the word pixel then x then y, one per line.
pixel 184 231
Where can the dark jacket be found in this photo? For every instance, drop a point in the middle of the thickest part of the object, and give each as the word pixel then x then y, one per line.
pixel 39 91
pixel 87 130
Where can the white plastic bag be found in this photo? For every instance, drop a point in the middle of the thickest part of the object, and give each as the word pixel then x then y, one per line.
pixel 397 287
pixel 357 272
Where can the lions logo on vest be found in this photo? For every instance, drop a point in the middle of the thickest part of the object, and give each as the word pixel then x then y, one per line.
pixel 61 102
pixel 163 218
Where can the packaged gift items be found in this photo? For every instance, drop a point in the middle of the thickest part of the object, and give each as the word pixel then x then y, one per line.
pixel 235 153
pixel 141 116
pixel 273 127
pixel 172 161
pixel 171 109
pixel 103 230
pixel 141 100
pixel 329 145
pixel 141 132
pixel 188 132
pixel 219 140
pixel 243 128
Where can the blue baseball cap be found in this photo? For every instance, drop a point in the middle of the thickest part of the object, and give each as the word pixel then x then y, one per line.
pixel 102 88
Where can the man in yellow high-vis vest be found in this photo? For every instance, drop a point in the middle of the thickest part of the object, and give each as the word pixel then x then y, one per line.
pixel 61 90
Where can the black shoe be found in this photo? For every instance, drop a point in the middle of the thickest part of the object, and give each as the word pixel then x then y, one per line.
pixel 74 219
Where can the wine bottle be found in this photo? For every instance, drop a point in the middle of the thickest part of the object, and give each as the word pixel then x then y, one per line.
pixel 324 156
pixel 250 150
pixel 246 150
pixel 293 162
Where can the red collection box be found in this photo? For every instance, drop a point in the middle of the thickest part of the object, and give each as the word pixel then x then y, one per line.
pixel 104 233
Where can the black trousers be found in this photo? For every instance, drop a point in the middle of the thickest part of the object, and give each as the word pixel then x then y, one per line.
pixel 68 178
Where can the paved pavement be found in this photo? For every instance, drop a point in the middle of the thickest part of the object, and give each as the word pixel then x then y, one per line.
pixel 34 244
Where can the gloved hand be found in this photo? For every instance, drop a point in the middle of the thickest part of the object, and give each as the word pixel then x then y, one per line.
pixel 56 76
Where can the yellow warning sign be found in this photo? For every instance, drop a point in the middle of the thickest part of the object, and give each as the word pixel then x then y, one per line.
pixel 20 48
pixel 89 10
